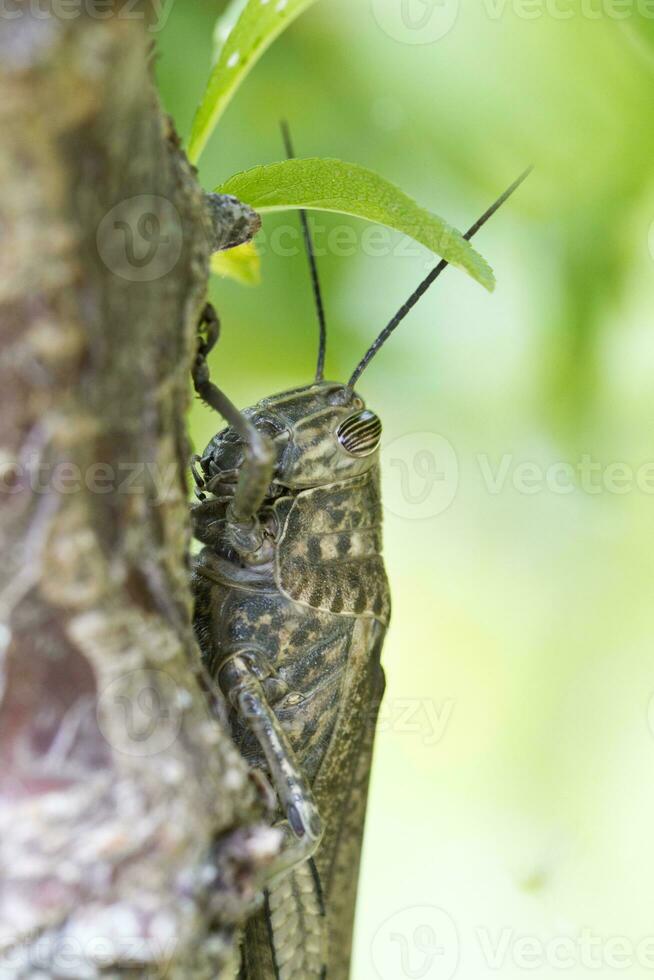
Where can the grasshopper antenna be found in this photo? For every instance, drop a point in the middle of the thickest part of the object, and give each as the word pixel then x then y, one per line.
pixel 427 282
pixel 315 281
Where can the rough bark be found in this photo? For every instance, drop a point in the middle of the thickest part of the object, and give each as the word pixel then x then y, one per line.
pixel 128 834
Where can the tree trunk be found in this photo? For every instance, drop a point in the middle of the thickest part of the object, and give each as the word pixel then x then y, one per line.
pixel 129 841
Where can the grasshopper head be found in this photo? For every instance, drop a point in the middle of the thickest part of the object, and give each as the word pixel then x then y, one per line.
pixel 321 433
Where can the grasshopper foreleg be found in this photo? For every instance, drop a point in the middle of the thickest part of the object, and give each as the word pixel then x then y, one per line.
pixel 302 827
pixel 256 471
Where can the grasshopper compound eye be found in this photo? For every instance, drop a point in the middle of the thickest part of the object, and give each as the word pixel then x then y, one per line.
pixel 360 434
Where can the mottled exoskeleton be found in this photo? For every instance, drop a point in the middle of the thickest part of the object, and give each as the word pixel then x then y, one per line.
pixel 292 605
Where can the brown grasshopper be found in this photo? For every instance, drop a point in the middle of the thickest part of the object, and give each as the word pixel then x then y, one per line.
pixel 292 605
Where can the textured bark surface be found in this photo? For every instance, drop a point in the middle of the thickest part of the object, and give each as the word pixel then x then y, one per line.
pixel 127 841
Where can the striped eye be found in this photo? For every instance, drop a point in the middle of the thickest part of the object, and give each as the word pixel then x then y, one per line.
pixel 360 434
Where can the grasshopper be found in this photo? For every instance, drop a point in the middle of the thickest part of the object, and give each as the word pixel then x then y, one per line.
pixel 292 606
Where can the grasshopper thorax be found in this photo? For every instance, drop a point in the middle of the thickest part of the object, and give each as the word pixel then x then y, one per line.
pixel 321 434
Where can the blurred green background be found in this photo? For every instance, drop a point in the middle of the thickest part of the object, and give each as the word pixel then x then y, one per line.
pixel 513 785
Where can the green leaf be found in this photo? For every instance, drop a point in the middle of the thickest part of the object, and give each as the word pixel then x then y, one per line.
pixel 242 264
pixel 259 23
pixel 331 185
pixel 224 26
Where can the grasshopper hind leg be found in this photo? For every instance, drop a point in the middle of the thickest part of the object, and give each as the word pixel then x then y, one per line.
pixel 302 826
pixel 287 939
